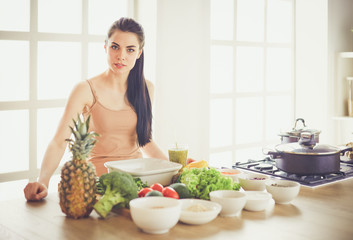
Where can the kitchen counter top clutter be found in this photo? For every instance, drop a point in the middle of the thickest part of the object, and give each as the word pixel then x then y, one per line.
pixel 324 212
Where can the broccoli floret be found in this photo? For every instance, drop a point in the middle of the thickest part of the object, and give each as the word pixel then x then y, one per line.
pixel 100 189
pixel 139 183
pixel 119 188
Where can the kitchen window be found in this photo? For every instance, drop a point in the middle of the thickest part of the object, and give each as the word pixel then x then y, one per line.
pixel 251 77
pixel 46 46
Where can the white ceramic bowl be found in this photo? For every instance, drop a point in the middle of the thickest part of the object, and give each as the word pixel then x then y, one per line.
pixel 197 211
pixel 283 191
pixel 150 170
pixel 232 173
pixel 257 200
pixel 253 181
pixel 155 215
pixel 232 202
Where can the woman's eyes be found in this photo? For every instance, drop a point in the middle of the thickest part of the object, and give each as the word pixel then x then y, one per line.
pixel 131 50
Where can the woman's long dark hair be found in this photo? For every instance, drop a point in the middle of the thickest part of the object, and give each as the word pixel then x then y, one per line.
pixel 137 91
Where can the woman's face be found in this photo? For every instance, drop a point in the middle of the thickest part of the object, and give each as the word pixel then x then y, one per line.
pixel 122 50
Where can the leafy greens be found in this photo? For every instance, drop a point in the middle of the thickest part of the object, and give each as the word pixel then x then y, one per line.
pixel 202 181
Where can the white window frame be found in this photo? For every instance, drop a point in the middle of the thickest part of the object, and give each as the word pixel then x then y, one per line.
pixel 34 104
pixel 264 94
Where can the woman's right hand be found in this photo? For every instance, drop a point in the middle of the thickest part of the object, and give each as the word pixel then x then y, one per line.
pixel 35 191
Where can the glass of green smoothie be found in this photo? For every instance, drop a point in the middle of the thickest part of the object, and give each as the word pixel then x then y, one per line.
pixel 178 153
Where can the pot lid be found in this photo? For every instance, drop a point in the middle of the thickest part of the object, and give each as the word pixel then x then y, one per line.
pixel 317 149
pixel 296 131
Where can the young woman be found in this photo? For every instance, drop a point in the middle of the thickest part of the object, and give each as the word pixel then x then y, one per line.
pixel 119 102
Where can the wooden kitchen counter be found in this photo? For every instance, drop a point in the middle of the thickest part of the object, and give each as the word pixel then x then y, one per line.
pixel 317 213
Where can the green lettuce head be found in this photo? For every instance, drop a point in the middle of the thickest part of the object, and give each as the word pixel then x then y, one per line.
pixel 202 181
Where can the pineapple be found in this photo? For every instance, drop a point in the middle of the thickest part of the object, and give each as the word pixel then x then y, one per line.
pixel 77 188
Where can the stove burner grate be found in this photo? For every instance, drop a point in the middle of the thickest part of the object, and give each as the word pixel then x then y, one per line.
pixel 268 166
pixel 264 166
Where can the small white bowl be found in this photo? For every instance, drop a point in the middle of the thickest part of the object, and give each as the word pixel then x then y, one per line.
pixel 283 191
pixel 197 211
pixel 257 200
pixel 155 215
pixel 233 173
pixel 232 202
pixel 253 181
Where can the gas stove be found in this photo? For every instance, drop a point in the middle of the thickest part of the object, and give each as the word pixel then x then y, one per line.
pixel 268 166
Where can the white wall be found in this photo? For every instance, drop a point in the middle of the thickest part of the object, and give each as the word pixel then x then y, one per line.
pixel 182 68
pixel 311 64
pixel 146 15
pixel 322 31
pixel 182 76
pixel 340 39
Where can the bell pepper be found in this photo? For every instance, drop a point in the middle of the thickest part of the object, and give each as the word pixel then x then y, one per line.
pixel 197 164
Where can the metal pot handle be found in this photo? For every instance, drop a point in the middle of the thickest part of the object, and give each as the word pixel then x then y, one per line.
pixel 275 155
pixel 269 151
pixel 307 139
pixel 296 121
pixel 344 149
pixel 266 150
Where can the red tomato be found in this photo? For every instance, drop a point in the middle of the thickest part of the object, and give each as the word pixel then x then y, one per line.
pixel 170 192
pixel 144 191
pixel 157 187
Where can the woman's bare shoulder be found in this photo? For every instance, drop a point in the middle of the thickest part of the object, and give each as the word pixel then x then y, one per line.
pixel 82 93
pixel 82 87
pixel 94 79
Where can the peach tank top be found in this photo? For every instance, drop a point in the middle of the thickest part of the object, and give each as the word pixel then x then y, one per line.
pixel 117 130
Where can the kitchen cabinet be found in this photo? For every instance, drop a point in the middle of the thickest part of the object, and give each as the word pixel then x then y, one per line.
pixel 343 123
pixel 324 212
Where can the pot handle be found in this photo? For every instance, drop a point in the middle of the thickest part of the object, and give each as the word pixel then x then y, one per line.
pixel 267 149
pixel 307 139
pixel 274 155
pixel 271 152
pixel 296 121
pixel 344 149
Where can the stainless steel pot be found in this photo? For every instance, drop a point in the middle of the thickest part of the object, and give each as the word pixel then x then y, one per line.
pixel 307 157
pixel 293 135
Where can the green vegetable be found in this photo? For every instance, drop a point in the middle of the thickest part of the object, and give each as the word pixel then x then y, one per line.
pixel 181 189
pixel 139 183
pixel 100 189
pixel 154 193
pixel 119 188
pixel 202 181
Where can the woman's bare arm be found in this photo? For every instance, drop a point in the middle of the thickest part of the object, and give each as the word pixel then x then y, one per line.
pixel 152 150
pixel 79 97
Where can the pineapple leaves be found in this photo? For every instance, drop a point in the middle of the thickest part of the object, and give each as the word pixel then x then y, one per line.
pixel 76 133
pixel 87 122
pixel 83 141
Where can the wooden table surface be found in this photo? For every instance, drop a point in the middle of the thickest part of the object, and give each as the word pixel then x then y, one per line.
pixel 317 213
